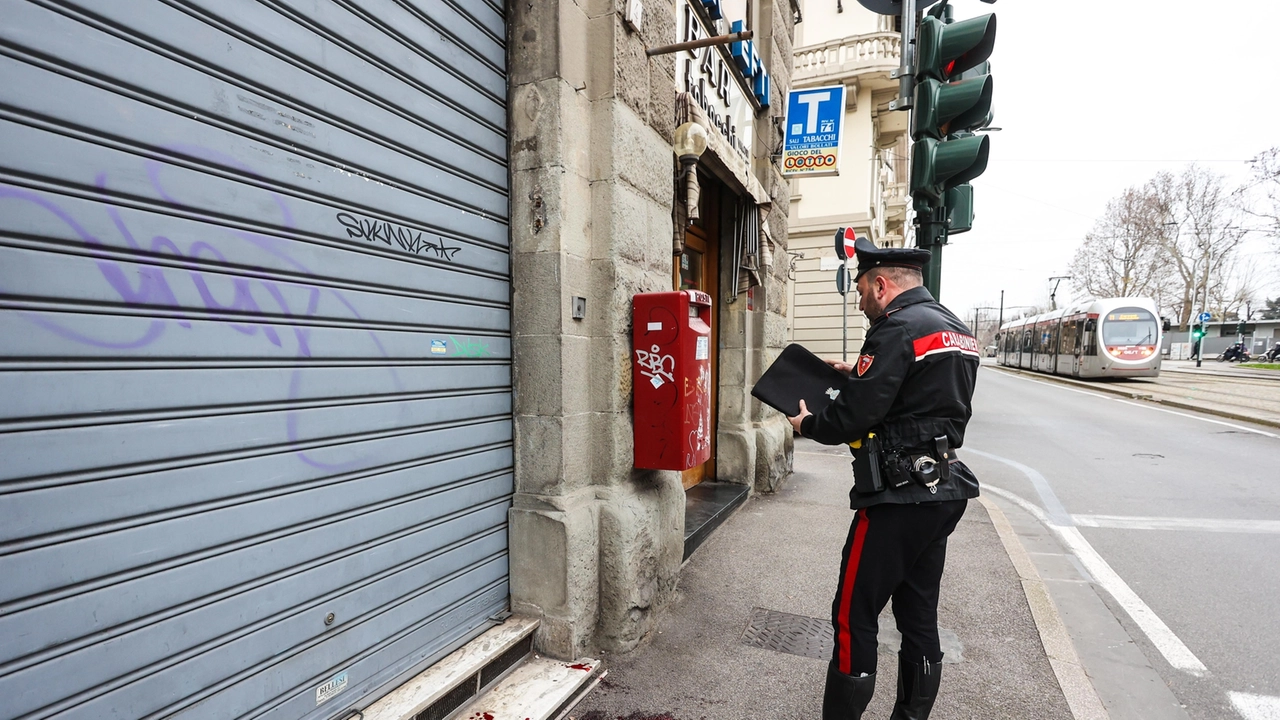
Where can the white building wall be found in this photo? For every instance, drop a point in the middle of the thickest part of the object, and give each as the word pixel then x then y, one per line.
pixel 823 22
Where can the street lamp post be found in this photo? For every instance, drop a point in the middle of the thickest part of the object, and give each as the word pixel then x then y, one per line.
pixel 977 330
pixel 975 316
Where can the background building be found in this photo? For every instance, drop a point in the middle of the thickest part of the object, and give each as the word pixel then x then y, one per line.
pixel 843 43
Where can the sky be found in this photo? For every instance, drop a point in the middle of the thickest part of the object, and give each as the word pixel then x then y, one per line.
pixel 1094 96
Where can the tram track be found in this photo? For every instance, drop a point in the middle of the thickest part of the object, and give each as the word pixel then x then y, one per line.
pixel 1223 397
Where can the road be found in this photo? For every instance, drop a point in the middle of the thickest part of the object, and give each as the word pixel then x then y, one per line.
pixel 1155 535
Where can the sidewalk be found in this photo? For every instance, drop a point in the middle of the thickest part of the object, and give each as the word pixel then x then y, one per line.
pixel 780 553
pixel 1211 366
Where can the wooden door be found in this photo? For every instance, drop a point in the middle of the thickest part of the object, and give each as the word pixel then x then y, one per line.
pixel 696 269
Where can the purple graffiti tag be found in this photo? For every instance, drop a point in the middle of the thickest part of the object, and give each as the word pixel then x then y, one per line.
pixel 271 246
pixel 148 282
pixel 302 334
pixel 295 384
pixel 241 301
pixel 204 264
pixel 154 289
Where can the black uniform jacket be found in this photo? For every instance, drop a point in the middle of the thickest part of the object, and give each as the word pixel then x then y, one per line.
pixel 913 382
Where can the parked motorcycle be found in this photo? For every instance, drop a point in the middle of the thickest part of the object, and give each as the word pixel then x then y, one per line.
pixel 1235 353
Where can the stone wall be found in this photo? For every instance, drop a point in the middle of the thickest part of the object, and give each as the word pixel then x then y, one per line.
pixel 596 545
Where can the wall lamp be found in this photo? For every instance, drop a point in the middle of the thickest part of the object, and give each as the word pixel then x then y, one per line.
pixel 690 143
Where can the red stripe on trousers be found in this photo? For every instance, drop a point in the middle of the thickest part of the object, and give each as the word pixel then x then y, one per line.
pixel 843 642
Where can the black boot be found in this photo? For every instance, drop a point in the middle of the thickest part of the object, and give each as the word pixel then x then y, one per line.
pixel 846 696
pixel 917 689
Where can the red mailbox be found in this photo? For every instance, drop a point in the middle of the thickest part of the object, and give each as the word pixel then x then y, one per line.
pixel 671 379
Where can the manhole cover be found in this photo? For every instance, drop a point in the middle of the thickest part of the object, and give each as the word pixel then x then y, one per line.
pixel 792 634
pixel 813 638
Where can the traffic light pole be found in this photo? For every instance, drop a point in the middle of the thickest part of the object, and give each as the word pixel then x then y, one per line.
pixel 931 235
pixel 907 66
pixel 844 311
pixel 1204 307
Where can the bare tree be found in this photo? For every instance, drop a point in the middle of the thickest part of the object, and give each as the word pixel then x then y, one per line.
pixel 1175 239
pixel 1125 254
pixel 1207 223
pixel 1266 184
pixel 1240 289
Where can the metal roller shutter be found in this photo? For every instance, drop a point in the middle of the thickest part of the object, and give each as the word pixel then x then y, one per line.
pixel 254 351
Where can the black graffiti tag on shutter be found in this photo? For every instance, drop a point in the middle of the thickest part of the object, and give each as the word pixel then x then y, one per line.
pixel 405 238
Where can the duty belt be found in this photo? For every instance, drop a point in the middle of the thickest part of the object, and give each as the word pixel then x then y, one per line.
pixel 926 469
pixel 874 466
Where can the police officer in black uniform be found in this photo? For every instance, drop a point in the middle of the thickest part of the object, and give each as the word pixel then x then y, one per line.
pixel 903 412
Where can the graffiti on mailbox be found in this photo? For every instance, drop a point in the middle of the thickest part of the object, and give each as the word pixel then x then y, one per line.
pixel 697 440
pixel 656 366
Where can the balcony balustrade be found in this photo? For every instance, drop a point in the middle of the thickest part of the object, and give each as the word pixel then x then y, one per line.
pixel 846 58
pixel 895 194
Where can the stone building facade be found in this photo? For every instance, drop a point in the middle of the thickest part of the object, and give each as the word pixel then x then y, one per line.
pixel 598 213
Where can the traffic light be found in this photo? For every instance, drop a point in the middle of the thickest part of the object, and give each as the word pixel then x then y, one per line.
pixel 959 199
pixel 959 207
pixel 949 105
pixel 951 101
pixel 1197 332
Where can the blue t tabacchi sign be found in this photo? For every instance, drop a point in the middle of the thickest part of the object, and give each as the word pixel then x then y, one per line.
pixel 815 127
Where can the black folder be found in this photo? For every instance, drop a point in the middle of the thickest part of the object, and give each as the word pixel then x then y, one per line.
pixel 798 374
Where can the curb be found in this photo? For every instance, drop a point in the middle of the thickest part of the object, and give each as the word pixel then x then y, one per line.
pixel 1103 388
pixel 1215 372
pixel 1072 678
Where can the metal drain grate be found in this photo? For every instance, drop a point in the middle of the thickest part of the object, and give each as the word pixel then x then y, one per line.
pixel 793 634
pixel 813 638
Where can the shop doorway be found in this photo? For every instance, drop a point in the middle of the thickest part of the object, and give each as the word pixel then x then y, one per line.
pixel 698 268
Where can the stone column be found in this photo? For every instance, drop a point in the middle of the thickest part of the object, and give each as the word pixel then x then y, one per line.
pixel 595 545
pixel 774 443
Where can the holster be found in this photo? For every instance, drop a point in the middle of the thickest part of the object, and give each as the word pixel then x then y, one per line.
pixel 942 450
pixel 868 461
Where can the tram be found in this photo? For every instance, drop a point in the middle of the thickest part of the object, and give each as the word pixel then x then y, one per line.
pixel 1108 337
